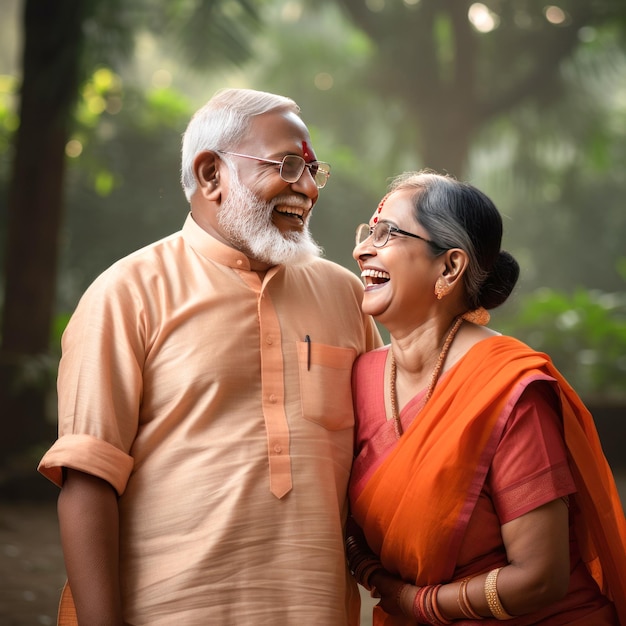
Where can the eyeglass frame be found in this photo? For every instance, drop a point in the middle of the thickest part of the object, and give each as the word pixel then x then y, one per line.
pixel 325 172
pixel 391 231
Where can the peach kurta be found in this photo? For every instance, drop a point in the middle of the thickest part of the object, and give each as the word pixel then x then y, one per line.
pixel 187 383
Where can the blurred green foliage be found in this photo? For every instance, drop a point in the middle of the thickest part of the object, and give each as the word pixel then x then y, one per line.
pixel 124 189
pixel 584 332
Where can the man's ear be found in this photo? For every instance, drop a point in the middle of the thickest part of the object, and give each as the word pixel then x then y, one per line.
pixel 206 170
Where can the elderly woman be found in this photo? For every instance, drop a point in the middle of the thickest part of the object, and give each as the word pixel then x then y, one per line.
pixel 479 489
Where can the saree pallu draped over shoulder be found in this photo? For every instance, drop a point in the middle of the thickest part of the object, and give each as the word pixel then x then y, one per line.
pixel 416 505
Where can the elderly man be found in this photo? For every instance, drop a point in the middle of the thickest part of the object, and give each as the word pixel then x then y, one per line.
pixel 205 411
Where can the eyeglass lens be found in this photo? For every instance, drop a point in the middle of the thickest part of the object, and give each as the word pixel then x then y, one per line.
pixel 293 165
pixel 379 231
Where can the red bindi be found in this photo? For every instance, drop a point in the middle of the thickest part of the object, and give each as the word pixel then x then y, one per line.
pixel 382 202
pixel 305 151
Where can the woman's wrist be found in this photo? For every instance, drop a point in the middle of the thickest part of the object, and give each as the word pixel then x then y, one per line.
pixel 405 599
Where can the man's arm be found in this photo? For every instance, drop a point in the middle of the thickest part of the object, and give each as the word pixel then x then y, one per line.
pixel 89 523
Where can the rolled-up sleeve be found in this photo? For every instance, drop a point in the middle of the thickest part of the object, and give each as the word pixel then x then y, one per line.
pixel 100 384
pixel 90 455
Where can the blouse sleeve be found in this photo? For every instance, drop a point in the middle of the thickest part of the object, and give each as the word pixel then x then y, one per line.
pixel 530 466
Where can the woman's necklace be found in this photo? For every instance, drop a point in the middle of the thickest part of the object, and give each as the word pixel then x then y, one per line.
pixel 397 425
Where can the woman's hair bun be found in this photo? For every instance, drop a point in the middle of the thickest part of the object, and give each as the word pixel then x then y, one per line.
pixel 498 286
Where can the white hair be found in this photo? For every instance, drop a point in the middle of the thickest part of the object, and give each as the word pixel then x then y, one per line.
pixel 222 122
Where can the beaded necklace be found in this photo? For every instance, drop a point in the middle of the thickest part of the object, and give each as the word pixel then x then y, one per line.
pixel 397 425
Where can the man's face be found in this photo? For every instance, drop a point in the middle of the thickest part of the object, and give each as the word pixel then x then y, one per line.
pixel 247 222
pixel 261 214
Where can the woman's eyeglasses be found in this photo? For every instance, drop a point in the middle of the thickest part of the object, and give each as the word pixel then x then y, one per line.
pixel 292 166
pixel 380 233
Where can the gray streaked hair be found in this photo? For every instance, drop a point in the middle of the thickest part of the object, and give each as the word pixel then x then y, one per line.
pixel 458 215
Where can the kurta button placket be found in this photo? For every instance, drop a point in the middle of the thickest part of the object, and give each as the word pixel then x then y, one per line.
pixel 272 383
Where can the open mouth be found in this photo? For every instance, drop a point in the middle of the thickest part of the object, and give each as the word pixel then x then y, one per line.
pixel 290 212
pixel 374 277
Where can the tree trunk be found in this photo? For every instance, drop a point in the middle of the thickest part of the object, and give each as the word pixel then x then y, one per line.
pixel 51 57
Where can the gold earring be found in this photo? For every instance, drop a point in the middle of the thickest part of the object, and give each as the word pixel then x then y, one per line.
pixel 441 288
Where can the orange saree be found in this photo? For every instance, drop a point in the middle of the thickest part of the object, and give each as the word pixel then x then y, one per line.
pixel 414 507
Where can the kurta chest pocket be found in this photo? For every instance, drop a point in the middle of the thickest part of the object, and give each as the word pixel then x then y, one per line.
pixel 325 384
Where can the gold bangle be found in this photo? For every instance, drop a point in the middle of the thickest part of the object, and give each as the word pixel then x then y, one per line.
pixel 463 601
pixel 492 597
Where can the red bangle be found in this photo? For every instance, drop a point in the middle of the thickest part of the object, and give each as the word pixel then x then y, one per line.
pixel 418 606
pixel 440 620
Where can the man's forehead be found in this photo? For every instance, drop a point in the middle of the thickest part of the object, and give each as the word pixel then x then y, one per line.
pixel 277 132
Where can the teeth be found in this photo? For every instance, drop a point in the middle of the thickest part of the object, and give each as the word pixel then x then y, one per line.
pixel 374 274
pixel 291 211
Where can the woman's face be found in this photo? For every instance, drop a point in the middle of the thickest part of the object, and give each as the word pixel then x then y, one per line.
pixel 399 277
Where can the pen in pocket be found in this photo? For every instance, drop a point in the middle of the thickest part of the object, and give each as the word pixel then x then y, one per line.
pixel 307 339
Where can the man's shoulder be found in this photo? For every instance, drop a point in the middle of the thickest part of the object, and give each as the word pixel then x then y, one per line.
pixel 161 247
pixel 148 253
pixel 141 264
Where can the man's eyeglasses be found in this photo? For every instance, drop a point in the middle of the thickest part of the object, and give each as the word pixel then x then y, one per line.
pixel 380 233
pixel 292 166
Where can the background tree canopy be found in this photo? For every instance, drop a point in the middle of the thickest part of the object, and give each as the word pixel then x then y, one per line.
pixel 524 99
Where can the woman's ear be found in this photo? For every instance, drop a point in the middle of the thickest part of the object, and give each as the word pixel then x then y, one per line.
pixel 206 171
pixel 456 261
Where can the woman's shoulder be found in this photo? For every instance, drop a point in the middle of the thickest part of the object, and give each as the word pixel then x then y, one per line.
pixel 468 337
pixel 485 339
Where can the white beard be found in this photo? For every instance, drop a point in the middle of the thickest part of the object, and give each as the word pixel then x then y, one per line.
pixel 247 223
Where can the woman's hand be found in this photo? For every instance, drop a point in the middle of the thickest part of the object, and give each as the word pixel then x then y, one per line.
pixel 396 596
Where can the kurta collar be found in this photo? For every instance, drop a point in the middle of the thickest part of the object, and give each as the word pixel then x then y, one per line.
pixel 210 248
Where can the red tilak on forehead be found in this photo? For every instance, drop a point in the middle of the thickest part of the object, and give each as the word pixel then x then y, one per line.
pixel 380 208
pixel 305 151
